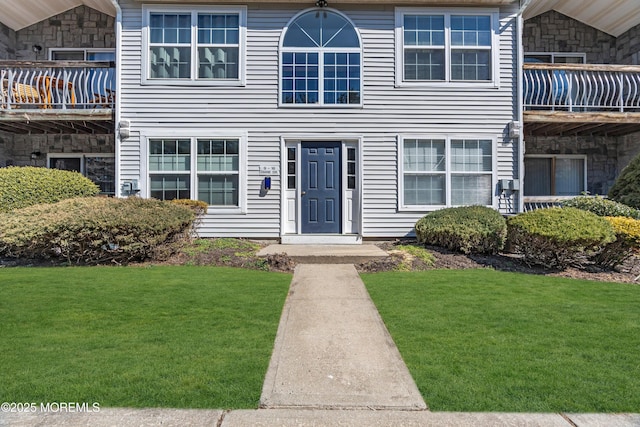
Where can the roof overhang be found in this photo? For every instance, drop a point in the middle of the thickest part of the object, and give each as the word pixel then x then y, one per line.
pixel 18 14
pixel 614 17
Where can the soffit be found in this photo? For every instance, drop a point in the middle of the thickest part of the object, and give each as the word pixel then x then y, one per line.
pixel 18 14
pixel 614 17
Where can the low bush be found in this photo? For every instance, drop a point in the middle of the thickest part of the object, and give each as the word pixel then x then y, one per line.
pixel 197 206
pixel 95 230
pixel 26 186
pixel 467 229
pixel 626 189
pixel 558 237
pixel 602 207
pixel 626 244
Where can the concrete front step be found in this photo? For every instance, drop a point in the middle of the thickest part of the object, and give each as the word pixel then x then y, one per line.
pixel 327 254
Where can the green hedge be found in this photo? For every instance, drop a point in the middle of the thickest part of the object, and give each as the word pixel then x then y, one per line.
pixel 467 229
pixel 558 237
pixel 626 189
pixel 626 244
pixel 602 207
pixel 26 186
pixel 95 230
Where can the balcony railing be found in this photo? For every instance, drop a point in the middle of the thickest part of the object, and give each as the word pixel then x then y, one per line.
pixel 60 85
pixel 582 88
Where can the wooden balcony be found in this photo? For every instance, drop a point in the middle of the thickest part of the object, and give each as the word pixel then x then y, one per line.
pixel 581 99
pixel 57 97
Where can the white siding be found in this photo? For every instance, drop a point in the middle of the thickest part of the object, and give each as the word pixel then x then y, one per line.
pixel 387 112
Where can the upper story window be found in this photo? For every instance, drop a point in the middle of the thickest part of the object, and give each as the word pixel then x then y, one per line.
pixel 320 61
pixel 196 45
pixel 450 47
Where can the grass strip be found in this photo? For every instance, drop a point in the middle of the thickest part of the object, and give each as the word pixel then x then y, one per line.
pixel 482 340
pixel 180 337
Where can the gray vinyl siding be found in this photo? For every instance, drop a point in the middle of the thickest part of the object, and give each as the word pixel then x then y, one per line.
pixel 387 112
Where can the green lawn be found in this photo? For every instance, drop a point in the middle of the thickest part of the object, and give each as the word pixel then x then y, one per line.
pixel 481 340
pixel 183 337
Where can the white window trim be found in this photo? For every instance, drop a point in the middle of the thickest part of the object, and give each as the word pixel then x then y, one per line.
pixel 495 47
pixel 582 157
pixel 194 80
pixel 79 49
pixel 193 136
pixel 402 207
pixel 582 56
pixel 320 51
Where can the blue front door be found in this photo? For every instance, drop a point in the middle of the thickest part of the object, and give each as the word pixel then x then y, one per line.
pixel 320 189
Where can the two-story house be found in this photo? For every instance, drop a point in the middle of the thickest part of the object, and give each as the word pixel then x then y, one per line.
pixel 305 122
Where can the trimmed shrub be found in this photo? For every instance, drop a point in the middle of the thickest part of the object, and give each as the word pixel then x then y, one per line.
pixel 95 230
pixel 26 186
pixel 197 206
pixel 627 242
pixel 626 189
pixel 467 229
pixel 601 206
pixel 558 237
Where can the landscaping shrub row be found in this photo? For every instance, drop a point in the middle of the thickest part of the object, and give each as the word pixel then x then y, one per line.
pixel 596 230
pixel 95 230
pixel 27 186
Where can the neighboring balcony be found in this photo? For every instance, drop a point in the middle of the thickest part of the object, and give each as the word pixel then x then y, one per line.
pixel 57 96
pixel 581 99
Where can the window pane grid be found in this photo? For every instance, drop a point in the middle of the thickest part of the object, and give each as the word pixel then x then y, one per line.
pixel 470 30
pixel 218 46
pixel 342 78
pixel 321 61
pixel 424 155
pixel 424 30
pixel 471 155
pixel 300 78
pixel 170 187
pixel 218 190
pixel 218 155
pixel 447 47
pixel 216 53
pixel 424 64
pixel 427 173
pixel 169 155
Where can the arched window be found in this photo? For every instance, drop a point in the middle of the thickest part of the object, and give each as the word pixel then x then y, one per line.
pixel 320 61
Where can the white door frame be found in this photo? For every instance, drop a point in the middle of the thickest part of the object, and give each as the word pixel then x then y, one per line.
pixel 351 212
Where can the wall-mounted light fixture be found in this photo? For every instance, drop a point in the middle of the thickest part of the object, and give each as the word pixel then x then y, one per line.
pixel 322 3
pixel 36 49
pixel 35 155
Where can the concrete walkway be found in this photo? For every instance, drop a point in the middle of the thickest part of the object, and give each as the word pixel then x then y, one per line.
pixel 332 349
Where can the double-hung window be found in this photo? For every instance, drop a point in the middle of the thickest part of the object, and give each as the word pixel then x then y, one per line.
pixel 435 46
pixel 199 45
pixel 203 168
pixel 445 171
pixel 320 61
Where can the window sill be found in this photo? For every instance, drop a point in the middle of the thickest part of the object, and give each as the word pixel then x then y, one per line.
pixel 196 83
pixel 448 85
pixel 217 210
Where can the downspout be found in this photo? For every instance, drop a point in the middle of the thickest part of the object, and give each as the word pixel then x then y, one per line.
pixel 118 97
pixel 520 101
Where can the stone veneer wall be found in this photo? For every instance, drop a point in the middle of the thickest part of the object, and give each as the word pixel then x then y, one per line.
pixel 81 27
pixel 7 42
pixel 555 32
pixel 629 47
pixel 18 148
pixel 606 156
